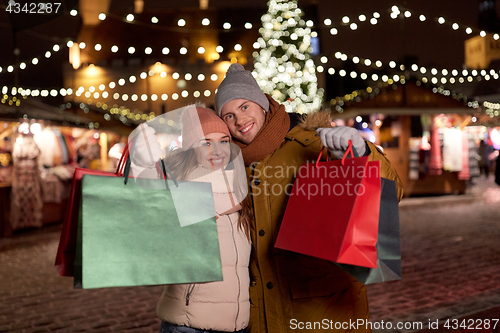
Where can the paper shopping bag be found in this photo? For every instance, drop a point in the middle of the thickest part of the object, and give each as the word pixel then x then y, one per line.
pixel 333 212
pixel 66 250
pixel 130 235
pixel 388 245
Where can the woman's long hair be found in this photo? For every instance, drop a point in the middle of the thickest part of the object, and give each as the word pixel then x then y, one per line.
pixel 182 162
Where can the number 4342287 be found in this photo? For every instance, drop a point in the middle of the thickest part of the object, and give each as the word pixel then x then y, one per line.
pixel 33 8
pixel 471 324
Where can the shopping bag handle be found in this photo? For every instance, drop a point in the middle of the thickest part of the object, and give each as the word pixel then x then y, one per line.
pixel 350 149
pixel 123 159
pixel 166 170
pixel 128 162
pixel 321 153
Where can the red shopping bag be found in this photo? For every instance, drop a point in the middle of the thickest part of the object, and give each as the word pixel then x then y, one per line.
pixel 333 211
pixel 66 250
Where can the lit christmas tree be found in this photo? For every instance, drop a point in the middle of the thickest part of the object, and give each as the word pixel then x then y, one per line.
pixel 283 67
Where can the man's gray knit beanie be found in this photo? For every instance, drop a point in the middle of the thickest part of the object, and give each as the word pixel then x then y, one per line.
pixel 239 84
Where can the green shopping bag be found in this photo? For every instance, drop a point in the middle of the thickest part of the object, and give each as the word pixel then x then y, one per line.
pixel 130 235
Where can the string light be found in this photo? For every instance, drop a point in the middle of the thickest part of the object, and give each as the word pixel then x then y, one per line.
pixel 493 74
pixel 395 13
pixel 183 50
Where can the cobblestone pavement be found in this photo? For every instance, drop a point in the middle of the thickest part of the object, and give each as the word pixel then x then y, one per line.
pixel 451 269
pixel 450 260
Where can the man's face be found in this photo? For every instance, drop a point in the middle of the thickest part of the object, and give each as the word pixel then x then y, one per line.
pixel 243 118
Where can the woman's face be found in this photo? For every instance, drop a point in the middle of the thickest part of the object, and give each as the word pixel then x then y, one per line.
pixel 213 151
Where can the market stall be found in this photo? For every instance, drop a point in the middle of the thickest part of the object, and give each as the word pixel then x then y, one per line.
pixel 38 157
pixel 429 135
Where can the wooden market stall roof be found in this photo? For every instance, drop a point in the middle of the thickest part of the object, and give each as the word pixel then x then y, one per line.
pixel 68 114
pixel 408 99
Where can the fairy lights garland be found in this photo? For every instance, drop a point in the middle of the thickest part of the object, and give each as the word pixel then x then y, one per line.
pixel 395 13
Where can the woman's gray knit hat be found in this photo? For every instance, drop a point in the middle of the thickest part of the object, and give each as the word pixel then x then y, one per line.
pixel 239 84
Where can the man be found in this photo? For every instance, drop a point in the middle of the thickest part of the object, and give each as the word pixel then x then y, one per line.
pixel 289 291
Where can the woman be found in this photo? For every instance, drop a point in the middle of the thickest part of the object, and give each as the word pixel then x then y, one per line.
pixel 207 156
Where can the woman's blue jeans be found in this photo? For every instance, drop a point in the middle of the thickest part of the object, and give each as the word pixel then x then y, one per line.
pixel 173 328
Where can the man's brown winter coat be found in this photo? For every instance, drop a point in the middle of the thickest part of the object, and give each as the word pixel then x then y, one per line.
pixel 289 291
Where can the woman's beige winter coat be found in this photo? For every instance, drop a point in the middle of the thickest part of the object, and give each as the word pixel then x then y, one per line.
pixel 222 305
